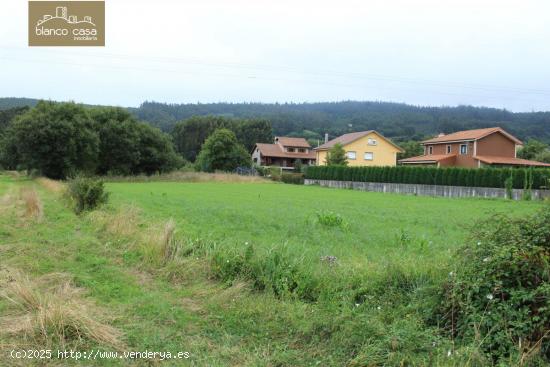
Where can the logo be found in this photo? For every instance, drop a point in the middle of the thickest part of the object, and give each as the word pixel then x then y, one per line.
pixel 66 23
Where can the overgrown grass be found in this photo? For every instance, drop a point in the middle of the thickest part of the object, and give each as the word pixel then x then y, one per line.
pixel 189 176
pixel 243 274
pixel 50 311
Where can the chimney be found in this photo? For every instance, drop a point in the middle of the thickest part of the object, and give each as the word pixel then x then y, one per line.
pixel 440 135
pixel 326 137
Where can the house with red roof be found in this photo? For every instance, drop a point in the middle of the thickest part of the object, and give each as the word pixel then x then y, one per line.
pixel 472 148
pixel 283 153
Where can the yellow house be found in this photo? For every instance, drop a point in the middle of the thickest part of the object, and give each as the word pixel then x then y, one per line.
pixel 363 148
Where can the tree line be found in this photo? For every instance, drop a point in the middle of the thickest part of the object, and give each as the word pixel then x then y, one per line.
pixel 60 139
pixel 108 140
pixel 398 121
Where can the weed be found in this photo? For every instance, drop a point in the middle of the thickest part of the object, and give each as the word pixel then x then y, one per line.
pixel 33 204
pixel 330 219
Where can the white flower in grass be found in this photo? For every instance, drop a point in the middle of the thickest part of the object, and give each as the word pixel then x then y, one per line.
pixel 479 243
pixel 379 308
pixel 486 259
pixel 246 243
pixel 449 353
pixel 451 274
pixel 357 305
pixel 489 296
pixel 227 260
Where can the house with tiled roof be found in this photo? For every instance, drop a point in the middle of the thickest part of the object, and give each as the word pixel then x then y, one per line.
pixel 472 148
pixel 363 148
pixel 283 153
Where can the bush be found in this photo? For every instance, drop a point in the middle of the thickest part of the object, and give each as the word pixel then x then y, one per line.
pixel 498 296
pixel 293 178
pixel 274 172
pixel 86 193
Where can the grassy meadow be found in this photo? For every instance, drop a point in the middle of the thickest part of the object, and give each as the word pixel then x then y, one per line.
pixel 235 273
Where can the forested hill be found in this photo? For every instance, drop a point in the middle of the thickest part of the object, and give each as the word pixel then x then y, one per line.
pixel 312 120
pixel 399 121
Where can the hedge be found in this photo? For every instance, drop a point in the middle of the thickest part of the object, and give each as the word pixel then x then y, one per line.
pixel 470 177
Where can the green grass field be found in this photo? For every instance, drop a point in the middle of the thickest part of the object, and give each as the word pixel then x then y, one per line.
pixel 247 285
pixel 381 228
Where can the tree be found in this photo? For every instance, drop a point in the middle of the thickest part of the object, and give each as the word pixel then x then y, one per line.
pixel 56 139
pixel 190 134
pixel 531 149
pixel 252 131
pixel 119 137
pixel 156 151
pixel 543 156
pixel 221 151
pixel 412 149
pixel 336 156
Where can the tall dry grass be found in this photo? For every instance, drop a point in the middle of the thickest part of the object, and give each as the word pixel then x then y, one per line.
pixel 50 310
pixel 168 244
pixel 32 204
pixel 156 241
pixel 54 186
pixel 179 176
pixel 7 200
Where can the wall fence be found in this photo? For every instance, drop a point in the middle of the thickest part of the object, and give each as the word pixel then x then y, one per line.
pixel 429 190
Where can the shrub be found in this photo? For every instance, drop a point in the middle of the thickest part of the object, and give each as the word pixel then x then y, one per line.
pixel 508 184
pixel 498 295
pixel 86 193
pixel 298 166
pixel 274 172
pixel 293 178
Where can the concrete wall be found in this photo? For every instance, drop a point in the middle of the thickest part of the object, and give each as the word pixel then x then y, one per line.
pixel 429 190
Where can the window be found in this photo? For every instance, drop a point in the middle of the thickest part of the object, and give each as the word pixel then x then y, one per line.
pixel 291 150
pixel 463 148
pixel 302 150
pixel 372 141
pixel 448 149
pixel 430 149
pixel 369 156
pixel 351 155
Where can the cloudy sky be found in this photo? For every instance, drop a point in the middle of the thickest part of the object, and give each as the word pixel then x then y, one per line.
pixel 424 52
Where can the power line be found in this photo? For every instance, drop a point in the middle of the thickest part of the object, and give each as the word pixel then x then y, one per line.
pixel 312 71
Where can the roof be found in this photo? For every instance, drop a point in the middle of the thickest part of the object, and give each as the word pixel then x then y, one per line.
pixel 292 142
pixel 471 135
pixel 432 158
pixel 510 161
pixel 351 137
pixel 275 150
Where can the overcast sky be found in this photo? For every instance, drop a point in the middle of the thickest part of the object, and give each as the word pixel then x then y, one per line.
pixel 424 52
